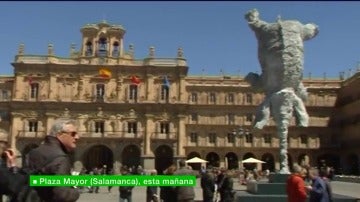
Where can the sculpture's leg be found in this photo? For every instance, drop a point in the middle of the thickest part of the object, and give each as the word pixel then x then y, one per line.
pixel 283 134
pixel 302 118
pixel 262 114
pixel 282 109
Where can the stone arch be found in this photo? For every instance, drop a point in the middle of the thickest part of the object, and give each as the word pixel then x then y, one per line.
pixel 270 162
pixel 195 166
pixel 249 166
pixel 213 159
pixel 352 164
pixel 232 160
pixel 303 160
pixel 97 156
pixel 130 156
pixel 330 160
pixel 164 157
pixel 193 154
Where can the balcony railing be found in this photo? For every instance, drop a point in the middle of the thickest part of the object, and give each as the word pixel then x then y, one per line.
pixel 31 134
pixel 111 134
pixel 105 134
pixel 164 136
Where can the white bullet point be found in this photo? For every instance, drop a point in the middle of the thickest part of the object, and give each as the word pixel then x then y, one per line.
pixel 34 182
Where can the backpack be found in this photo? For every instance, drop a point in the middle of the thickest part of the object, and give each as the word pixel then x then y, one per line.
pixel 17 185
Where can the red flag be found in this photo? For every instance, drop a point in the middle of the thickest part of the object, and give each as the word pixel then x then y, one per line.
pixel 135 80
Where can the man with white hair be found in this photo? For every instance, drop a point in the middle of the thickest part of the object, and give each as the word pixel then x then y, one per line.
pixel 295 186
pixel 52 158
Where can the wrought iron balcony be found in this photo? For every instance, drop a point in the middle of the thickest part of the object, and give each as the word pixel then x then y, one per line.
pixel 164 136
pixel 31 134
pixel 111 134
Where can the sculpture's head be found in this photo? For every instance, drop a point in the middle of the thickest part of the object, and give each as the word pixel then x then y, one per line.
pixel 310 31
pixel 252 15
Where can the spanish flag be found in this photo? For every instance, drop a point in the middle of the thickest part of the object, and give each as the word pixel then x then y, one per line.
pixel 135 80
pixel 105 73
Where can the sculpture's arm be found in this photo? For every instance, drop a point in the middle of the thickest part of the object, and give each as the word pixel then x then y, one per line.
pixel 254 80
pixel 309 31
pixel 254 21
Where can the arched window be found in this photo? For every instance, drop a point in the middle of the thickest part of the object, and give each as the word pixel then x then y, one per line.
pixel 132 127
pixel 102 47
pixel 33 126
pixel 133 92
pixel 99 126
pixel 34 90
pixel 89 49
pixel 100 91
pixel 115 52
pixel 193 137
pixel 164 128
pixel 249 138
pixel 212 137
pixel 194 97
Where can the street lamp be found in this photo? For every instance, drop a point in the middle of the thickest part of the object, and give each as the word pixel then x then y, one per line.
pixel 240 131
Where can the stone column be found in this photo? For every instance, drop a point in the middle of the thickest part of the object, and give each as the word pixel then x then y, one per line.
pixel 148 158
pixel 81 88
pixel 14 130
pixel 52 86
pixel 181 136
pixel 149 87
pixel 81 119
pixel 119 82
pixel 149 129
pixel 18 83
pixel 181 94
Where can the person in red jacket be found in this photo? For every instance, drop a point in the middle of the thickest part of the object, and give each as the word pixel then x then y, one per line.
pixel 295 186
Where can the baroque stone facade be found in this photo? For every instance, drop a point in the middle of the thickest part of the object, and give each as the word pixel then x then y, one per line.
pixel 150 112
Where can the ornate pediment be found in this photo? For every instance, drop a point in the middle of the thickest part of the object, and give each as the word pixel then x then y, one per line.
pixel 32 114
pixel 131 115
pixel 163 117
pixel 18 114
pixel 65 113
pixel 50 114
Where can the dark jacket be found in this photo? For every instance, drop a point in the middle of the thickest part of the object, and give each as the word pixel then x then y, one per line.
pixel 151 191
pixel 226 189
pixel 184 193
pixel 125 191
pixel 59 165
pixel 168 194
pixel 11 181
pixel 208 186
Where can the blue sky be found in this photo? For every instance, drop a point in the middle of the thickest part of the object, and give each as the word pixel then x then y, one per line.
pixel 214 35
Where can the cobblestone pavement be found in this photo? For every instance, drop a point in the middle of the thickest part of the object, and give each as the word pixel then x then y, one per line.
pixel 139 193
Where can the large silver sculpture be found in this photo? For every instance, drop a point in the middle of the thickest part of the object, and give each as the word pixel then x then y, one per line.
pixel 280 53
